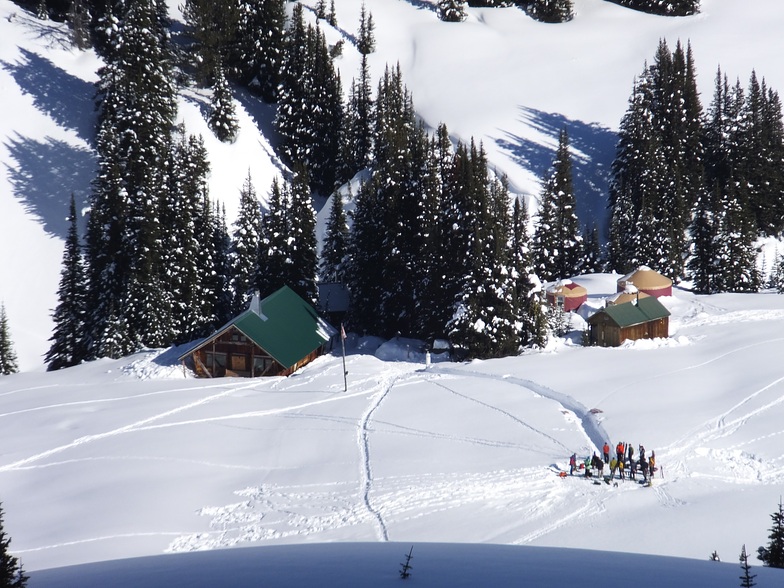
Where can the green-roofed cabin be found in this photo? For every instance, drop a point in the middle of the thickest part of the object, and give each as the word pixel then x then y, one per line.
pixel 644 318
pixel 274 337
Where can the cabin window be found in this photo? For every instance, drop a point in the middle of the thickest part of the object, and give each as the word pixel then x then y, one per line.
pixel 215 359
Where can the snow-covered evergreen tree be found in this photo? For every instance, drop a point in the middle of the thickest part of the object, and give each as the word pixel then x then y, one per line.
pixel 68 346
pixel 12 573
pixel 260 46
pixel 222 118
pixel 309 116
pixel 186 252
pixel 215 25
pixel 735 256
pixel 335 247
pixel 366 39
pixel 8 360
pixel 772 555
pixel 245 247
pixel 452 10
pixel 356 142
pixel 124 235
pixel 301 234
pixel 557 242
pixel 528 290
pixel 551 11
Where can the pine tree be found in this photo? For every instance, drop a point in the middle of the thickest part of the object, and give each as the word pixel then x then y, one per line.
pixel 187 251
pixel 332 17
pixel 11 572
pixel 778 274
pixel 245 247
pixel 747 578
pixel 301 220
pixel 124 235
pixel 528 291
pixel 772 555
pixel 215 26
pixel 593 260
pixel 735 257
pixel 356 139
pixel 223 118
pixel 702 234
pixel 551 11
pixel 8 360
pixel 483 322
pixel 68 345
pixel 366 40
pixel 309 116
pixel 452 10
pixel 259 49
pixel 321 9
pixel 335 247
pixel 557 242
pixel 79 24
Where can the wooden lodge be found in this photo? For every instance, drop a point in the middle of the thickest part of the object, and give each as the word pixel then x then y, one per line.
pixel 274 337
pixel 643 318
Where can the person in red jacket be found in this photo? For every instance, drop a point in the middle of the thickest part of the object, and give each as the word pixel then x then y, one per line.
pixel 620 450
pixel 606 452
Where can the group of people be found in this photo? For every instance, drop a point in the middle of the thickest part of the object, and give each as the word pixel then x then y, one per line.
pixel 622 461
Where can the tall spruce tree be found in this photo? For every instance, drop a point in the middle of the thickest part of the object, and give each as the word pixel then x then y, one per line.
pixel 8 360
pixel 746 577
pixel 260 46
pixel 68 346
pixel 557 242
pixel 366 39
pixel 222 118
pixel 309 116
pixel 186 252
pixel 335 247
pixel 528 291
pixel 12 573
pixel 215 25
pixel 356 139
pixel 128 304
pixel 274 257
pixel 483 323
pixel 772 555
pixel 301 222
pixel 245 247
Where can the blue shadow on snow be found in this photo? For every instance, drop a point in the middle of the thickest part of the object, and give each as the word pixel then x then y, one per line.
pixel 592 147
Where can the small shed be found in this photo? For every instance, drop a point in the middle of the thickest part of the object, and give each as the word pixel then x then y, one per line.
pixel 274 337
pixel 567 294
pixel 647 280
pixel 646 318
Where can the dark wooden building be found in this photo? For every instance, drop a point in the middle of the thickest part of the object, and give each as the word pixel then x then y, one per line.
pixel 645 318
pixel 274 337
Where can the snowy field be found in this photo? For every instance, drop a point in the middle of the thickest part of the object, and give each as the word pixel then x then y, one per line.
pixel 296 482
pixel 119 459
pixel 500 77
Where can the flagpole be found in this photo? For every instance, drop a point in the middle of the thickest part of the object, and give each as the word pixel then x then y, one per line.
pixel 343 344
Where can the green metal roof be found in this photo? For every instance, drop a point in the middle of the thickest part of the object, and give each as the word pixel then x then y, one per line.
pixel 635 312
pixel 283 325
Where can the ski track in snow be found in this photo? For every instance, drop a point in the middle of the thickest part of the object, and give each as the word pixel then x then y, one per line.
pixel 504 412
pixel 363 433
pixel 138 425
pixel 591 427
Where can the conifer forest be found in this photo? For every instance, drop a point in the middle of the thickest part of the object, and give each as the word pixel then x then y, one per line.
pixel 436 246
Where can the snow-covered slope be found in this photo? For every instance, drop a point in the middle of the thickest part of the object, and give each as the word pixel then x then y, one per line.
pixel 130 458
pixel 499 77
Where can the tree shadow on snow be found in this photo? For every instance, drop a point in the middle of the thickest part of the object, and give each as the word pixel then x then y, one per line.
pixel 66 99
pixel 46 174
pixel 592 147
